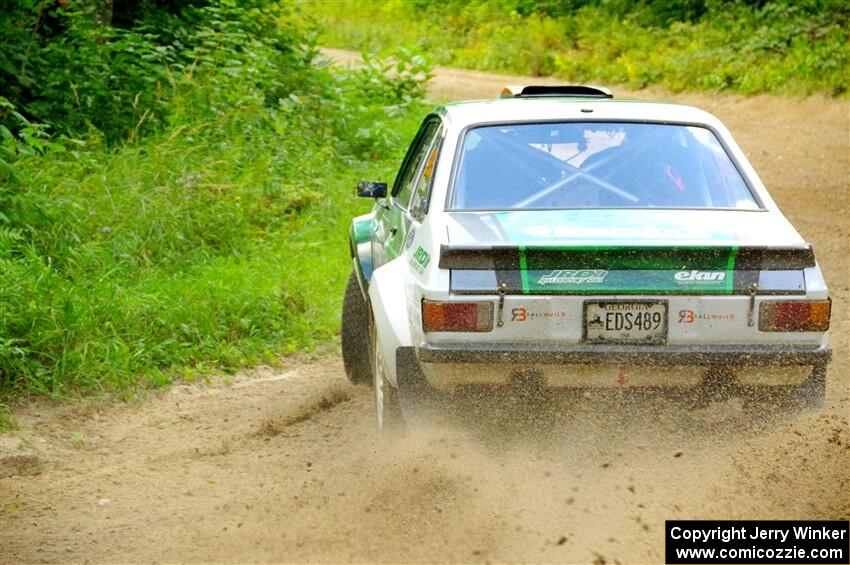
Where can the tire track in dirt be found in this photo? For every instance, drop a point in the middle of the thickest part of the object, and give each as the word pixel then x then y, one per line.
pixel 284 465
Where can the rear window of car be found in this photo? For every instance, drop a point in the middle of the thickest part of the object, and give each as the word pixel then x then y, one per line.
pixel 596 165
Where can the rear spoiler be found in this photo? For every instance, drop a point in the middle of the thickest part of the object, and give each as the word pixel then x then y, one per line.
pixel 750 258
pixel 563 90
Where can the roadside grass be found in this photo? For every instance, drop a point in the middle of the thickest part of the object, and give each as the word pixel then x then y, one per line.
pixel 176 258
pixel 142 284
pixel 215 241
pixel 750 48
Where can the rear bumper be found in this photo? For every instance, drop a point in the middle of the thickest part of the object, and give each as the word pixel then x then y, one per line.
pixel 718 355
pixel 446 367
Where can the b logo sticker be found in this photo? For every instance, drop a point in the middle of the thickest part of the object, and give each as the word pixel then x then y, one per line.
pixel 519 314
pixel 686 316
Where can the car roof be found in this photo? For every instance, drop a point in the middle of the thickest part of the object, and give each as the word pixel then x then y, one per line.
pixel 551 108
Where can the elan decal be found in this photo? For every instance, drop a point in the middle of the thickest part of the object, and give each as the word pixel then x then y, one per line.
pixel 694 276
pixel 573 277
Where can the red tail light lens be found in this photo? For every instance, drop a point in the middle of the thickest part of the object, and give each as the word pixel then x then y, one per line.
pixel 457 316
pixel 795 315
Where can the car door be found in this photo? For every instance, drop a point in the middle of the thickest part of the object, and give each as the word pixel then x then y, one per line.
pixel 392 219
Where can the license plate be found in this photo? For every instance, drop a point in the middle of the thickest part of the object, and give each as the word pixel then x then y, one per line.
pixel 643 321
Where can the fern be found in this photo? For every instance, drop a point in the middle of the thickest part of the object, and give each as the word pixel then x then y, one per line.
pixel 9 238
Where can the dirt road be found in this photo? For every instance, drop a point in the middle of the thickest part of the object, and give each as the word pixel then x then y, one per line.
pixel 285 465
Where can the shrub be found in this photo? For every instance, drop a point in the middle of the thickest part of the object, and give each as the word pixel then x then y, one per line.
pixel 209 238
pixel 748 47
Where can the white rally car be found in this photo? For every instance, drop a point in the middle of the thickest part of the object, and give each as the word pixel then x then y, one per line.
pixel 559 237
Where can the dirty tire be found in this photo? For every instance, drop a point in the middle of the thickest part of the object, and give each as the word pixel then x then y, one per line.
pixel 355 334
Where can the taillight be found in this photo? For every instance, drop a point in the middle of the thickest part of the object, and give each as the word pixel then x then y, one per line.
pixel 794 315
pixel 457 316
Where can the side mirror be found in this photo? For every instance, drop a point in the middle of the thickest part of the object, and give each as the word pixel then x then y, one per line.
pixel 370 189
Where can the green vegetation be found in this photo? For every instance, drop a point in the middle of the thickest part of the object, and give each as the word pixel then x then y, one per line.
pixel 779 46
pixel 176 184
pixel 175 177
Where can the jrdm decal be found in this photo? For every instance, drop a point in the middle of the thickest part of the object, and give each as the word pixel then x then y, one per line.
pixel 691 277
pixel 420 260
pixel 573 277
pixel 421 256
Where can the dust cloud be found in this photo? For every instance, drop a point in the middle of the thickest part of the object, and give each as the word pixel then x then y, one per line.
pixel 293 470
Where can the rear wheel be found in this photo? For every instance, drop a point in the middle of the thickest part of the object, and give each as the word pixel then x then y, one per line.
pixel 355 334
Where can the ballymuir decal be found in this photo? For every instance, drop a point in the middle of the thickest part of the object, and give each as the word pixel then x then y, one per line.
pixel 519 314
pixel 522 314
pixel 689 316
pixel 573 277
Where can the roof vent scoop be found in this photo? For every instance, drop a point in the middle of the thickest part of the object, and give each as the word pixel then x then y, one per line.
pixel 565 90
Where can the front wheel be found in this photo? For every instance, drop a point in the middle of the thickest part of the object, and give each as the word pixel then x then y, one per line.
pixel 355 334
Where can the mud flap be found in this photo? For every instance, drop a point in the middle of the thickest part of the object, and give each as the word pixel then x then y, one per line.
pixel 808 395
pixel 812 393
pixel 419 401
